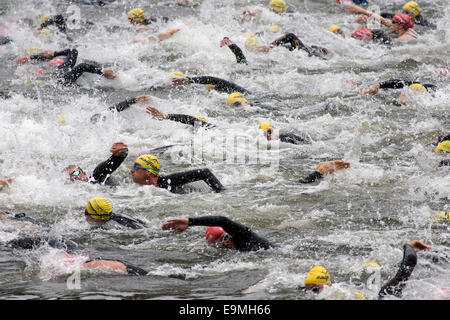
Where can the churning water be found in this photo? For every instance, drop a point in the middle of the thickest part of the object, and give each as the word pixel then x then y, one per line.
pixel 365 213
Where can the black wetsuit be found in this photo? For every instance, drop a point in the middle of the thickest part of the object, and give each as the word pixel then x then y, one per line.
pixel 219 84
pixel 175 181
pixel 240 58
pixel 398 84
pixel 292 138
pixel 381 37
pixel 243 238
pixel 39 241
pixel 316 175
pixel 102 173
pixel 419 20
pixel 121 106
pixel 128 222
pixel 395 285
pixel 445 162
pixel 4 40
pixel 68 73
pixel 190 120
pixel 292 42
pixel 58 21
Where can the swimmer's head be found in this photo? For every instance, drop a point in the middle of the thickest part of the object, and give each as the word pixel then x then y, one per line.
pixel 363 34
pixel 418 87
pixel 337 30
pixel 251 43
pixel 268 129
pixel 236 100
pixel 412 7
pixel 176 75
pixel 98 209
pixel 279 6
pixel 201 118
pixel 218 235
pixel 403 20
pixel 316 278
pixel 443 146
pixel 45 17
pixel 136 15
pixel 274 28
pixel 76 173
pixel 441 217
pixel 145 169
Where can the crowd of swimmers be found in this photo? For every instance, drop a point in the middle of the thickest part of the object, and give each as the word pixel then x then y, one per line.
pixel 62 66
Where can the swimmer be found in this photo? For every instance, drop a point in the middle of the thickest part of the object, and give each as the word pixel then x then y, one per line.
pixel 396 285
pixel 221 230
pixel 442 144
pixel 182 118
pixel 102 173
pixel 137 17
pixel 377 36
pixel 284 137
pixel 412 9
pixel 417 88
pixel 240 58
pixel 98 212
pixel 121 106
pixel 218 84
pixel 324 168
pixel 275 6
pixel 401 25
pixel 67 73
pixel 145 171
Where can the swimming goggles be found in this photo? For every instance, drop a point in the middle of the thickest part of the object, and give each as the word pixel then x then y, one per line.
pixel 76 173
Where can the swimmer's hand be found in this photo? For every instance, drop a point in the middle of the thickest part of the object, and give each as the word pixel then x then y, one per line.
pixel 143 99
pixel 6 181
pixel 327 167
pixel 418 245
pixel 181 81
pixel 371 91
pixel 21 59
pixel 225 42
pixel 261 49
pixel 117 148
pixel 176 225
pixel 110 74
pixel 167 34
pixel 155 113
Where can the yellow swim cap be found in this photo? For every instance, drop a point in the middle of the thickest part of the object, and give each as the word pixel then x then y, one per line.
pixel 274 28
pixel 45 17
pixel 418 87
pixel 45 34
pixel 136 15
pixel 359 295
pixel 177 74
pixel 277 6
pixel 370 264
pixel 150 162
pixel 236 96
pixel 333 28
pixel 209 86
pixel 444 146
pixel 441 217
pixel 99 208
pixel 318 275
pixel 200 118
pixel 265 126
pixel 251 43
pixel 413 7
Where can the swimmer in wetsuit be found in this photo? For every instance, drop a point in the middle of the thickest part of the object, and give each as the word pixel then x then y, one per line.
pixel 324 168
pixel 67 73
pixel 412 9
pixel 182 118
pixel 146 169
pixel 442 144
pixel 218 84
pixel 377 36
pixel 396 285
pixel 284 137
pixel 98 212
pixel 417 87
pixel 230 234
pixel 121 106
pixel 102 173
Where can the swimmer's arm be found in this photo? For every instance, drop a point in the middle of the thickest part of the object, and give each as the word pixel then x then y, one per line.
pixel 387 15
pixel 121 106
pixel 394 84
pixel 219 84
pixel 57 20
pixel 240 58
pixel 119 152
pixel 225 223
pixel 316 175
pixel 128 222
pixel 185 118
